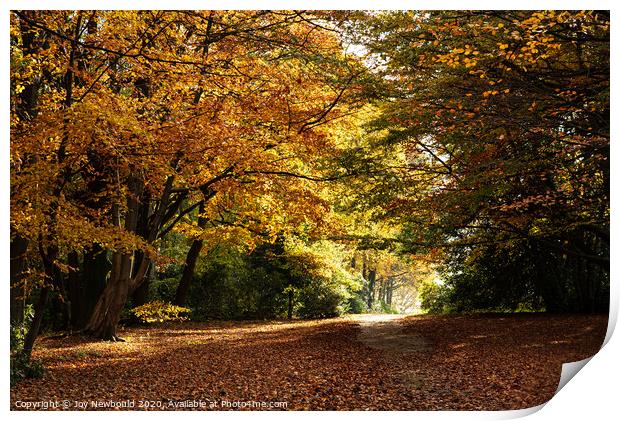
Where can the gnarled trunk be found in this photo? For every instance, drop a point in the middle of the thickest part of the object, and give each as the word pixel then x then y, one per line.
pixel 106 314
pixel 107 311
pixel 89 285
pixel 125 279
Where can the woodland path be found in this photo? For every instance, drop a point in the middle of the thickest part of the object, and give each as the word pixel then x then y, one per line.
pixel 386 332
pixel 369 362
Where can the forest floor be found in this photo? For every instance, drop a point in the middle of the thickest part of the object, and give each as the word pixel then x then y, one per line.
pixel 371 362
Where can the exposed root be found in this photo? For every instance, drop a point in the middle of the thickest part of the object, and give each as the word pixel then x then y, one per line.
pixel 104 337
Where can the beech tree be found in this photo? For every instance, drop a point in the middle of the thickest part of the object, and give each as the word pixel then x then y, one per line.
pixel 143 118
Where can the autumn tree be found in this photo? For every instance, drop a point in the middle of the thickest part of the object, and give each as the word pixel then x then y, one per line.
pixel 504 120
pixel 144 119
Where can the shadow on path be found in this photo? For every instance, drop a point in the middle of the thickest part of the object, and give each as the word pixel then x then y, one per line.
pixel 385 332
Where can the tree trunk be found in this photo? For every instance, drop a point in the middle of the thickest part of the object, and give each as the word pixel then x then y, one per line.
pixel 106 315
pixel 190 262
pixel 372 274
pixel 49 260
pixel 188 273
pixel 95 275
pixel 140 295
pixel 85 287
pixel 107 312
pixel 33 332
pixel 290 304
pixel 26 109
pixel 19 245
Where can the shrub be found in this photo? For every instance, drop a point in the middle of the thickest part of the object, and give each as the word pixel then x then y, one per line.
pixel 21 367
pixel 320 299
pixel 159 311
pixel 355 304
pixel 434 298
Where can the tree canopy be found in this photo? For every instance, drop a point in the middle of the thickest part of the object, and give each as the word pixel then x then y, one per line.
pixel 292 163
pixel 503 118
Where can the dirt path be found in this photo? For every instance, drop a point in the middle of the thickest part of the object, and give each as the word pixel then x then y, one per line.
pixel 374 362
pixel 387 333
